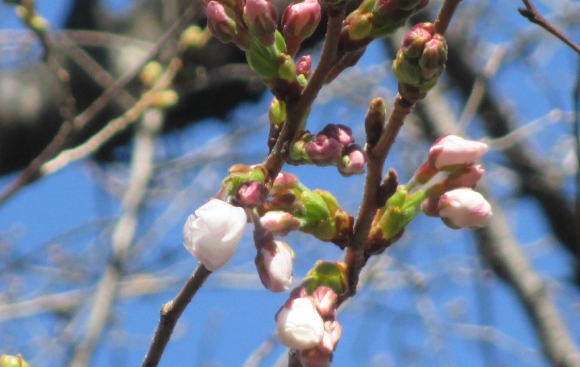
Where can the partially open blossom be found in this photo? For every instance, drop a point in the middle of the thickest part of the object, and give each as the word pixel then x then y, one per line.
pixel 325 300
pixel 299 22
pixel 463 207
pixel 214 234
pixel 221 20
pixel 279 222
pixel 353 161
pixel 274 265
pixel 451 152
pixel 299 325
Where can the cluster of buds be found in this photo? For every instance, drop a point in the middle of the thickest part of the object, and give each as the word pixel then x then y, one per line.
pixel 308 320
pixel 376 19
pixel 292 206
pixel 252 26
pixel 452 199
pixel 421 59
pixel 333 146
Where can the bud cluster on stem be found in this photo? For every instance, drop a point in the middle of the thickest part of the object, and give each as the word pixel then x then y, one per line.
pixel 333 146
pixel 421 59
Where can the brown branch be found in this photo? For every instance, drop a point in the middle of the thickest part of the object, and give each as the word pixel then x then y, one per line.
pixel 405 100
pixel 531 13
pixel 170 313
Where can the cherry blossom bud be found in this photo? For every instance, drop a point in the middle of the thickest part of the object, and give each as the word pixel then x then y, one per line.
pixel 213 235
pixel 332 333
pixel 463 207
pixel 339 132
pixel 325 299
pixel 465 177
pixel 279 222
pixel 304 66
pixel 274 265
pixel 450 152
pixel 252 194
pixel 324 151
pixel 353 161
pixel 299 325
pixel 261 18
pixel 221 21
pixel 421 59
pixel 299 22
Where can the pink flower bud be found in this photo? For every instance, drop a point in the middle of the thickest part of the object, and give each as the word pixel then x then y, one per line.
pixel 325 299
pixel 339 132
pixel 450 152
pixel 221 21
pixel 261 17
pixel 299 22
pixel 299 325
pixel 465 177
pixel 284 181
pixel 353 162
pixel 332 333
pixel 324 151
pixel 279 222
pixel 304 66
pixel 274 265
pixel 252 194
pixel 463 207
pixel 212 237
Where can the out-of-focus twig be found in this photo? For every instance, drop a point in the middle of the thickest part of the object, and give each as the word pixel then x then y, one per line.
pixel 531 13
pixel 114 126
pixel 123 235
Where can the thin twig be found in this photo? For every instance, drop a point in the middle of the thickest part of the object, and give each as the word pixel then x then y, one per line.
pixel 114 126
pixel 123 235
pixel 32 172
pixel 170 313
pixel 532 14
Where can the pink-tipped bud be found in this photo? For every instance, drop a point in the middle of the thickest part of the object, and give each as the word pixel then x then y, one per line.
pixel 274 264
pixel 221 21
pixel 464 208
pixel 299 325
pixel 465 177
pixel 434 55
pixel 324 151
pixel 299 22
pixel 280 223
pixel 304 66
pixel 353 161
pixel 339 132
pixel 325 299
pixel 332 333
pixel 450 152
pixel 283 182
pixel 252 194
pixel 414 42
pixel 261 18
